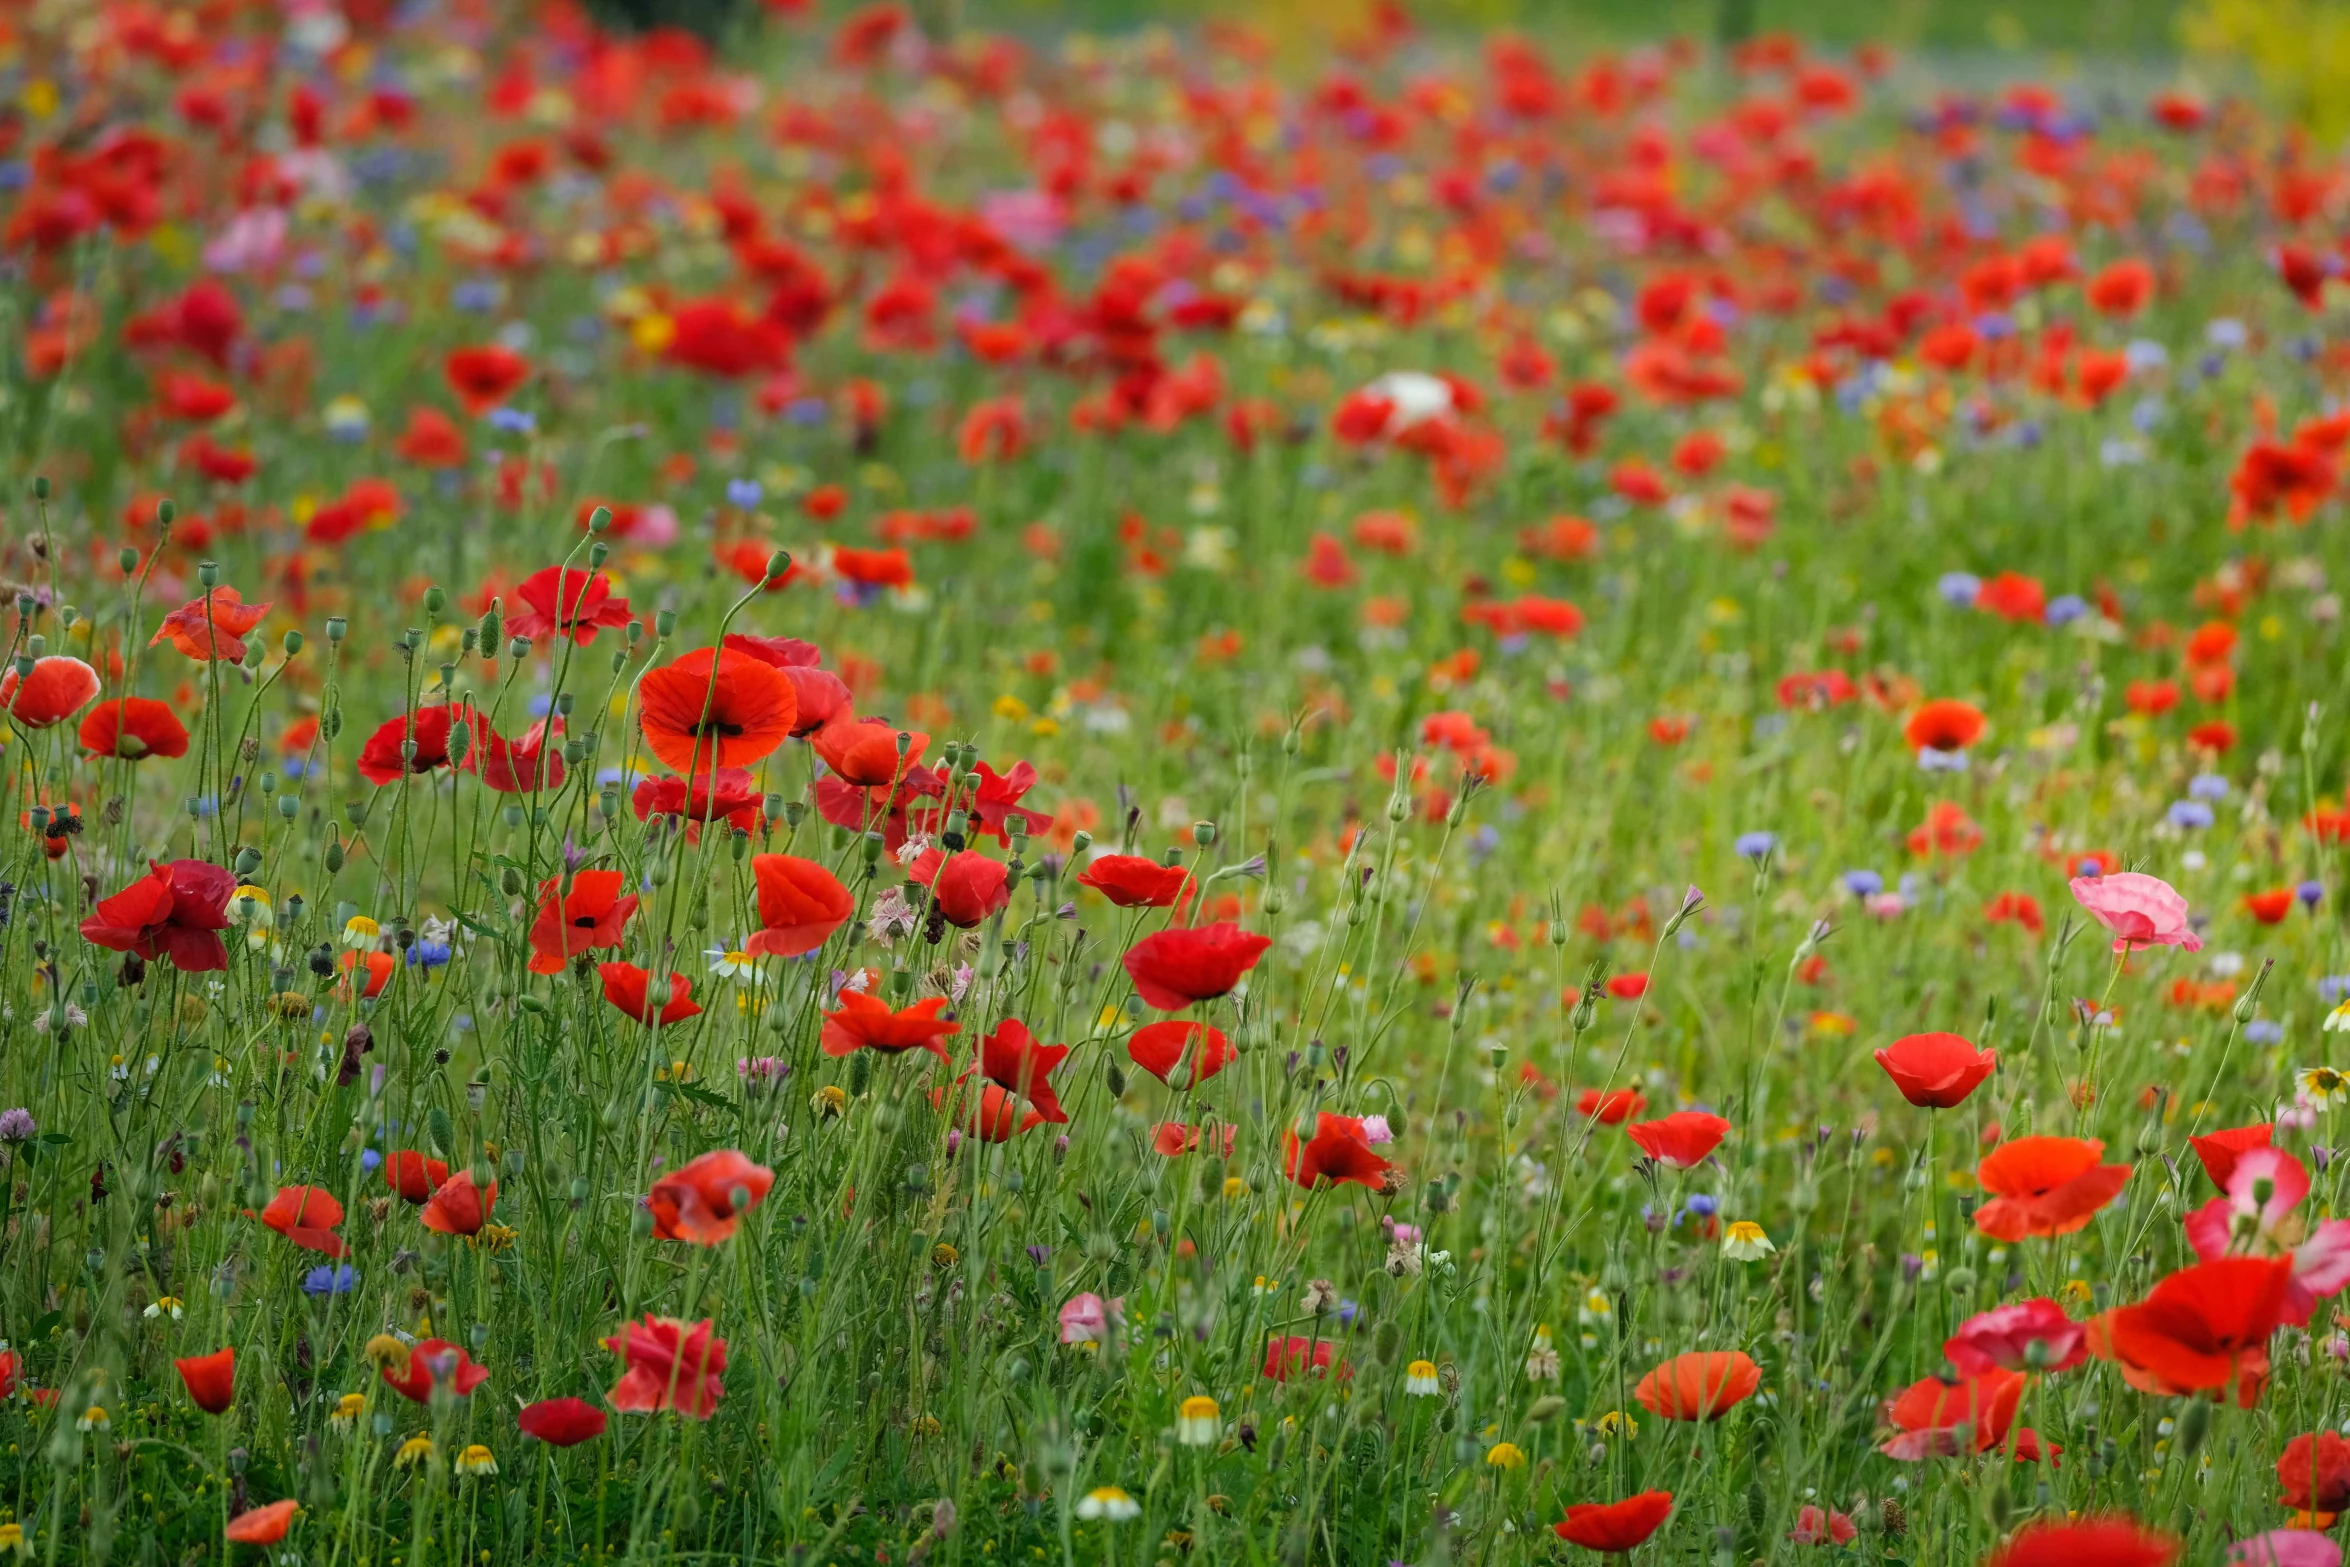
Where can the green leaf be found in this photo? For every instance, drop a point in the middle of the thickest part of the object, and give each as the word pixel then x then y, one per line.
pixel 48 1324
pixel 698 1094
pixel 57 1139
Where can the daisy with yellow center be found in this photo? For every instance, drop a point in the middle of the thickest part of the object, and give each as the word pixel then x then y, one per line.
pixel 1744 1241
pixel 416 1450
pixel 735 964
pixel 1108 1502
pixel 1506 1455
pixel 476 1461
pixel 345 1419
pixel 361 933
pixel 2323 1086
pixel 1199 1423
pixel 1419 1379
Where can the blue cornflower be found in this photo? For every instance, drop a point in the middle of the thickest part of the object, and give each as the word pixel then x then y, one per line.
pixel 2207 786
pixel 513 421
pixel 1959 588
pixel 744 493
pixel 2309 892
pixel 2190 814
pixel 1754 845
pixel 2064 609
pixel 339 1279
pixel 1863 884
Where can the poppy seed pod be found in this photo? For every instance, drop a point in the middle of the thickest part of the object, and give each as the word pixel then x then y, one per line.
pixel 599 519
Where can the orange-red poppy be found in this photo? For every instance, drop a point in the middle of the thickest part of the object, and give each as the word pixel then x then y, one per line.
pixel 715 708
pixel 1704 1385
pixel 2204 1328
pixel 869 1023
pixel 2045 1186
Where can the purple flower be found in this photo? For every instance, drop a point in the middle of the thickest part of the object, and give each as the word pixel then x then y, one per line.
pixel 17 1126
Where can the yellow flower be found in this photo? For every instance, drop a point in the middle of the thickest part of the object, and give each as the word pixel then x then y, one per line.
pixel 1199 1422
pixel 831 1099
pixel 416 1450
pixel 477 1460
pixel 94 1418
pixel 1745 1241
pixel 1108 1502
pixel 1506 1455
pixel 12 1539
pixel 165 1306
pixel 345 1419
pixel 389 1354
pixel 1616 1423
pixel 1419 1379
pixel 360 933
pixel 2323 1086
pixel 492 1237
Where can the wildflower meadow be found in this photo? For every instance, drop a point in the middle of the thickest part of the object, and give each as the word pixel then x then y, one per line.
pixel 859 790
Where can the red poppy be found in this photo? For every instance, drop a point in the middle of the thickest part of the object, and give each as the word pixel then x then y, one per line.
pixel 1947 830
pixel 2045 1186
pixel 1682 1139
pixel 57 689
pixel 562 1422
pixel 1340 1151
pixel 2115 1540
pixel 2270 907
pixel 1174 968
pixel 1013 1058
pixel 211 1379
pixel 2220 1150
pixel 484 376
pixel 458 1207
pixel 1134 881
pixel 1162 1048
pixel 2017 908
pixel 1286 1357
pixel 263 1525
pixel 1615 1528
pixel 175 911
pixel 1613 1107
pixel 387 755
pixel 432 440
pixel 867 1023
pixel 1700 1386
pixel 1944 724
pixel 2315 1472
pixel 629 988
pixel 965 888
pixel 1936 1071
pixel 2196 1330
pixel 307 1216
pixel 133 728
pixel 211 627
pixel 990 1112
pixel 414 1176
pixel 593 915
pixel 703 1201
pixel 563 601
pixel 800 905
pixel 379 967
pixel 730 795
pixel 523 766
pixel 670 1366
pixel 1941 1417
pixel 714 708
pixel 864 751
pixel 434 1362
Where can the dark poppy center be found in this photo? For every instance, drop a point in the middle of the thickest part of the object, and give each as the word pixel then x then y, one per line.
pixel 719 727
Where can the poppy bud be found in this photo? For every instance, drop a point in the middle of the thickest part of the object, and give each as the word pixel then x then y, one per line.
pixel 599 519
pixel 330 721
pixel 1203 834
pixel 460 743
pixel 40 486
pixel 288 806
pixel 128 560
pixel 664 623
pixel 165 513
pixel 1082 842
pixel 334 854
pixel 337 628
pixel 598 553
pixel 436 599
pixel 777 565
